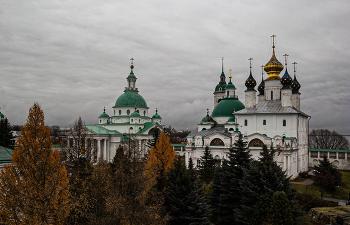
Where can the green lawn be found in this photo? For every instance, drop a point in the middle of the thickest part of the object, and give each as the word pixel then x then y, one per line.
pixel 341 192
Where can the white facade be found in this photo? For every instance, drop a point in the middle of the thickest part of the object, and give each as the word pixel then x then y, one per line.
pixel 275 121
pixel 129 119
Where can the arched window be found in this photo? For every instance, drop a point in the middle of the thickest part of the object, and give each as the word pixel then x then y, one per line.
pixel 264 122
pixel 114 112
pixel 255 143
pixel 231 129
pixel 204 128
pixel 128 112
pixel 132 120
pixel 271 95
pixel 139 128
pixel 217 142
pixel 245 122
pixel 144 112
pixel 131 128
pixel 120 112
pixel 100 121
pixel 217 161
pixel 137 111
pixel 284 123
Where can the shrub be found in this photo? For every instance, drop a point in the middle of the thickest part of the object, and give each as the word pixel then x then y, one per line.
pixel 308 201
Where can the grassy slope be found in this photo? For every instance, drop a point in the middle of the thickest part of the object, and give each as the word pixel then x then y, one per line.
pixel 341 192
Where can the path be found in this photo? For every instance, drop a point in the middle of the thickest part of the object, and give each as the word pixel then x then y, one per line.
pixel 309 182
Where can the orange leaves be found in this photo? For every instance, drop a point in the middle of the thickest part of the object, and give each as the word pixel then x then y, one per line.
pixel 160 159
pixel 34 188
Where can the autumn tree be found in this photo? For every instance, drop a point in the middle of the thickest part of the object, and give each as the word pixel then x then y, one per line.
pixel 6 137
pixel 325 139
pixel 34 188
pixel 132 199
pixel 160 161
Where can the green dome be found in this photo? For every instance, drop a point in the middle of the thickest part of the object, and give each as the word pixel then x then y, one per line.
pixel 131 75
pixel 156 116
pixel 227 106
pixel 131 99
pixel 104 114
pixel 230 85
pixel 207 118
pixel 232 119
pixel 223 86
pixel 135 114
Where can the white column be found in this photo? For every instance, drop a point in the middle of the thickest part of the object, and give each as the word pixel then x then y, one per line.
pixel 289 166
pixel 104 149
pixel 284 163
pixel 98 149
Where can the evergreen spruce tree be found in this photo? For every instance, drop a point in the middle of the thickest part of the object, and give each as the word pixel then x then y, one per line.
pixel 279 211
pixel 6 137
pixel 227 194
pixel 207 166
pixel 326 175
pixel 184 201
pixel 258 186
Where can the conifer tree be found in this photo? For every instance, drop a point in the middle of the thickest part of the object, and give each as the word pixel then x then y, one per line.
pixel 279 212
pixel 326 175
pixel 34 188
pixel 227 194
pixel 258 186
pixel 6 137
pixel 207 166
pixel 160 161
pixel 185 200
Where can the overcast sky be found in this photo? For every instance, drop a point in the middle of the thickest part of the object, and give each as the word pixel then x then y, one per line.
pixel 73 57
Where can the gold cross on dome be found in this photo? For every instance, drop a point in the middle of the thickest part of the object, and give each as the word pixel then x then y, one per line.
pixel 230 72
pixel 207 110
pixel 285 58
pixel 262 71
pixel 273 40
pixel 132 61
pixel 156 110
pixel 104 109
pixel 135 107
pixel 250 59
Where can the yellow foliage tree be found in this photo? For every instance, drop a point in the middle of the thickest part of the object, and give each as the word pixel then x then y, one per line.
pixel 34 188
pixel 160 161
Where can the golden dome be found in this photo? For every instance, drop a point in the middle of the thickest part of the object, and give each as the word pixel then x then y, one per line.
pixel 273 67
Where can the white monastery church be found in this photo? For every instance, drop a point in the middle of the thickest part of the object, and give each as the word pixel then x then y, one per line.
pixel 274 119
pixel 130 118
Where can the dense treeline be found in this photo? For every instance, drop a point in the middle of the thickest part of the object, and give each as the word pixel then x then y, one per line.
pixel 50 187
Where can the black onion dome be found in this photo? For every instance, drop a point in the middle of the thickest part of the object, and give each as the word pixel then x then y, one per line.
pixel 250 83
pixel 286 80
pixel 295 85
pixel 261 87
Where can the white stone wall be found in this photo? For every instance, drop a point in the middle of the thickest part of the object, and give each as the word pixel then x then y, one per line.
pixel 261 98
pixel 286 97
pixel 272 86
pixel 296 100
pixel 221 119
pixel 142 111
pixel 217 97
pixel 250 98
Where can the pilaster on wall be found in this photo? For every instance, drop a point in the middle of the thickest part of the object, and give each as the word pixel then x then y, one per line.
pixel 296 100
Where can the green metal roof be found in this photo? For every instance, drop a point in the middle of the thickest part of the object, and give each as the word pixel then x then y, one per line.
pixel 327 150
pixel 156 116
pixel 132 75
pixel 104 114
pixel 131 99
pixel 178 145
pixel 5 155
pixel 230 85
pixel 2 115
pixel 232 119
pixel 223 86
pixel 226 107
pixel 135 114
pixel 147 126
pixel 101 130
